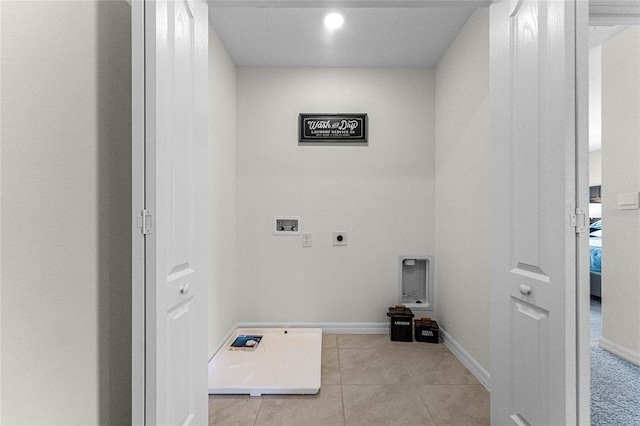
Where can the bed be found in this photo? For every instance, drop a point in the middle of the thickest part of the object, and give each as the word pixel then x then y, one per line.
pixel 595 247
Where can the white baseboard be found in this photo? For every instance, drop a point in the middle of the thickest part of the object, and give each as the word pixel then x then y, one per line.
pixel 624 353
pixel 476 369
pixel 327 327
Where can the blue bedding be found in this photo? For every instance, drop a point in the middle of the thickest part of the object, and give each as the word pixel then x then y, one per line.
pixel 595 247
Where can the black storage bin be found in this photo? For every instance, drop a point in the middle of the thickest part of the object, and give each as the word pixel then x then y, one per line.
pixel 427 330
pixel 401 326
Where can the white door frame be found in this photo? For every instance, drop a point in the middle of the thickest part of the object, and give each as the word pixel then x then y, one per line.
pixel 598 12
pixel 601 12
pixel 583 291
pixel 165 334
pixel 138 311
pixel 572 362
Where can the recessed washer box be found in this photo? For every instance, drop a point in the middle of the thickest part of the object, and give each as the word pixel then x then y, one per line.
pixel 415 282
pixel 286 225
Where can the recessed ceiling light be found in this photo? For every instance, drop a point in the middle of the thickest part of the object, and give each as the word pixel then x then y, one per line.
pixel 333 19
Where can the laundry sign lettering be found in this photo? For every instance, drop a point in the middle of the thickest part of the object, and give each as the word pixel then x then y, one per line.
pixel 332 128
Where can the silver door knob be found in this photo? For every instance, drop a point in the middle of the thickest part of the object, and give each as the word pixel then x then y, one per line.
pixel 185 288
pixel 525 290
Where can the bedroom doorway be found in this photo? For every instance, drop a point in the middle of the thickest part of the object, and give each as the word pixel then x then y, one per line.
pixel 614 181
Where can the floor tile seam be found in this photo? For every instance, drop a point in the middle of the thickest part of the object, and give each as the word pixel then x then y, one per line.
pixel 344 414
pixel 403 363
pixel 480 385
pixel 365 347
pixel 424 404
pixel 371 349
pixel 255 421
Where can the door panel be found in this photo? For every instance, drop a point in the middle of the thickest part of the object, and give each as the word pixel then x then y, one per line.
pixel 179 384
pixel 176 149
pixel 525 129
pixel 533 142
pixel 529 334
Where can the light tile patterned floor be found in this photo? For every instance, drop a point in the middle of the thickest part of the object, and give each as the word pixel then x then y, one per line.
pixel 370 380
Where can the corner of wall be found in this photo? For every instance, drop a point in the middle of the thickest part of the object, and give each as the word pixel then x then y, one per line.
pixel 222 192
pixel 462 190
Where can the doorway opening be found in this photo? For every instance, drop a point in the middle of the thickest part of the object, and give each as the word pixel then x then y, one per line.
pixel 382 193
pixel 614 180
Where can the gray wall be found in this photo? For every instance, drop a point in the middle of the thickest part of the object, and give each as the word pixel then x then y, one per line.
pixel 65 178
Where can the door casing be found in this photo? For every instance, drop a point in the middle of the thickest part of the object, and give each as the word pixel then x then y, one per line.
pixel 169 217
pixel 138 276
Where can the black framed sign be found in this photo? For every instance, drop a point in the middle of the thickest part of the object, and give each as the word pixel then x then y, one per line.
pixel 332 128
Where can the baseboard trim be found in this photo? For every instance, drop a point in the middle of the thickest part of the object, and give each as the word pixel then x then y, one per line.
pixel 621 351
pixel 476 369
pixel 327 327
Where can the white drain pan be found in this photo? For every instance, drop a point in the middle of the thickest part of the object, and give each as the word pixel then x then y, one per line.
pixel 286 361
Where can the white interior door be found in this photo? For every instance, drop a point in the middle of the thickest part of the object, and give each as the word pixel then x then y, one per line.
pixel 175 213
pixel 533 69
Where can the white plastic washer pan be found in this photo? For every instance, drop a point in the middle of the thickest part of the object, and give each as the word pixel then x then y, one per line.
pixel 285 361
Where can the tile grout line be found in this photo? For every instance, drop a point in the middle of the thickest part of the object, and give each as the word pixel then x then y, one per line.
pixel 258 412
pixel 344 413
pixel 416 387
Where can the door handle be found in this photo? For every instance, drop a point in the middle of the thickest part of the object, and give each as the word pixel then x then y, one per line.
pixel 525 290
pixel 184 289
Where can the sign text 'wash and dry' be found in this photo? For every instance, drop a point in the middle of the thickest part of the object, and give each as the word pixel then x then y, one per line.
pixel 333 128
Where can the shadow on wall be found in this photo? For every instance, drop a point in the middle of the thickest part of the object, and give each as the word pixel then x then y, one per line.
pixel 114 210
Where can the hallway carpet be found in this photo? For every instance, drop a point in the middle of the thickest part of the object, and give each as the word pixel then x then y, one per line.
pixel 615 383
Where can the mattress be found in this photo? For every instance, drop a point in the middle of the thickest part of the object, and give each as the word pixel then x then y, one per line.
pixel 595 247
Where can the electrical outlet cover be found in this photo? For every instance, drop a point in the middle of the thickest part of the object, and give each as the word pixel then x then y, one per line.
pixel 339 238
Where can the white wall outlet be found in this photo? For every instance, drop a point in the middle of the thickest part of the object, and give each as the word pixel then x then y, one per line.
pixel 306 239
pixel 339 238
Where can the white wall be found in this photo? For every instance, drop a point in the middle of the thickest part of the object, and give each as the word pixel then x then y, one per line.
pixel 223 313
pixel 595 98
pixel 595 116
pixel 595 167
pixel 462 189
pixel 621 174
pixel 382 194
pixel 66 191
